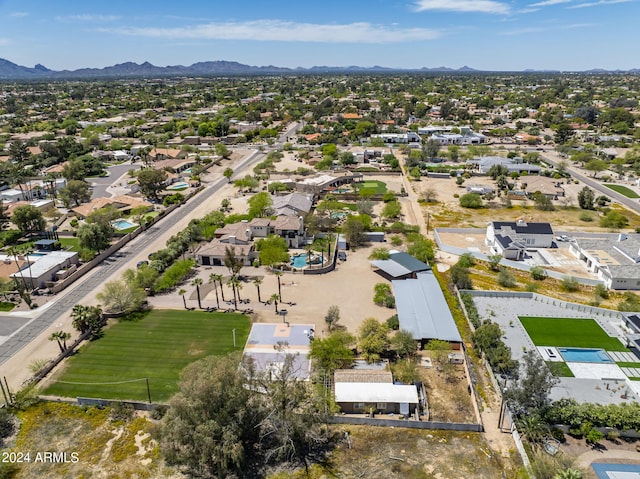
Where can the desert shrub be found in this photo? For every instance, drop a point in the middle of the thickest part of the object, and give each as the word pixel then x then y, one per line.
pixel 538 273
pixel 506 279
pixel 570 284
pixel 586 217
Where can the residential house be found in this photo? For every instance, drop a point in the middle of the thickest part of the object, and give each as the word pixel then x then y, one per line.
pixel 38 270
pixel 293 204
pixel 359 391
pixel 615 259
pixel 391 138
pixel 550 187
pixel 123 203
pixel 290 228
pixel 512 239
pixel 484 164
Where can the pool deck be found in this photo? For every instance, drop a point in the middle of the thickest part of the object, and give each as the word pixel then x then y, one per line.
pixel 594 382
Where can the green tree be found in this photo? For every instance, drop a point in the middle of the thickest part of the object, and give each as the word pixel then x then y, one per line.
pixel 151 182
pixel 614 220
pixel 197 282
pixel 74 170
pixel 222 150
pixel 76 191
pixel 332 317
pixel 28 219
pixel 380 253
pixel 494 261
pixel 538 273
pixel 391 210
pixel 120 296
pixel 586 198
pixel 497 171
pixel 232 262
pixel 87 318
pixel 257 281
pixel 260 205
pixel 529 394
pixel 354 230
pixel 430 149
pixel 210 426
pixel 373 340
pixel 596 166
pixel 460 277
pixel 94 237
pixel 403 343
pixel 471 200
pixel 227 173
pixel 543 202
pixel 273 250
pixel 61 338
pixel 506 279
pixel 347 158
pixel 333 352
pixel 564 133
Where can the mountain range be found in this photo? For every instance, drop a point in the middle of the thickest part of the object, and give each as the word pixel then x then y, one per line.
pixel 12 71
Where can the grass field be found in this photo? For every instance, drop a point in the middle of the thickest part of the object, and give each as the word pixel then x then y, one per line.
pixel 623 190
pixel 157 346
pixel 6 306
pixel 569 332
pixel 70 243
pixel 374 187
pixel 560 369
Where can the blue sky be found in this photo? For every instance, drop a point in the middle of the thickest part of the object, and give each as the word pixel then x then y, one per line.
pixel 482 34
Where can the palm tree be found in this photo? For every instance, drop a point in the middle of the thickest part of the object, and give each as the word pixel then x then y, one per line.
pixel 184 300
pixel 13 251
pixel 26 252
pixel 278 274
pixel 213 279
pixel 274 297
pixel 197 282
pixel 217 277
pixel 233 282
pixel 60 336
pixel 238 287
pixel 258 282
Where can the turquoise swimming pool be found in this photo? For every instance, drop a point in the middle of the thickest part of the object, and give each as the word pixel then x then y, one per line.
pixel 579 355
pixel 299 260
pixel 122 224
pixel 181 185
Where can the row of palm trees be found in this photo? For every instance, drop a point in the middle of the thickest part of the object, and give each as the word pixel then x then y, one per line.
pixel 236 286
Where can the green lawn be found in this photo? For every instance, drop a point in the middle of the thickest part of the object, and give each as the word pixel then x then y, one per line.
pixel 157 346
pixel 560 369
pixel 623 190
pixel 569 332
pixel 373 186
pixel 6 306
pixel 69 243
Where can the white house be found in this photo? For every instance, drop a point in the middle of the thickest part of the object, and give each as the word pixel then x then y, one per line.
pixel 616 260
pixel 511 239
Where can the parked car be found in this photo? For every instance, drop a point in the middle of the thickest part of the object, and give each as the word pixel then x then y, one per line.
pixel 342 256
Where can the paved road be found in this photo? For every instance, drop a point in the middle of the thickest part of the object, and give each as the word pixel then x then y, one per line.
pixel 134 250
pixel 96 278
pixel 596 185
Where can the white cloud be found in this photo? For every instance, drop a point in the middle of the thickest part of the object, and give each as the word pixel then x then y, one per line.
pixel 598 3
pixel 547 3
pixel 89 18
pixel 282 31
pixel 19 14
pixel 483 6
pixel 5 42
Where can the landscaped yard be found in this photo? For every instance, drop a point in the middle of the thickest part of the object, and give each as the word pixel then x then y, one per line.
pixel 373 187
pixel 156 346
pixel 69 243
pixel 569 332
pixel 623 190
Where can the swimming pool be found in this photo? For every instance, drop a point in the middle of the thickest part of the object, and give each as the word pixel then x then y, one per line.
pixel 299 260
pixel 122 224
pixel 579 355
pixel 181 185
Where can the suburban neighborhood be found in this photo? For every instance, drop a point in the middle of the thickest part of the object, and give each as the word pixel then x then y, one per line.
pixel 297 266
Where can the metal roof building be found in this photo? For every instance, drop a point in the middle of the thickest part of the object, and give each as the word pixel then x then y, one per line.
pixel 400 265
pixel 423 309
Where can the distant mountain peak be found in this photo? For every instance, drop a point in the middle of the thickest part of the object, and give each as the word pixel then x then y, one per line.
pixel 12 71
